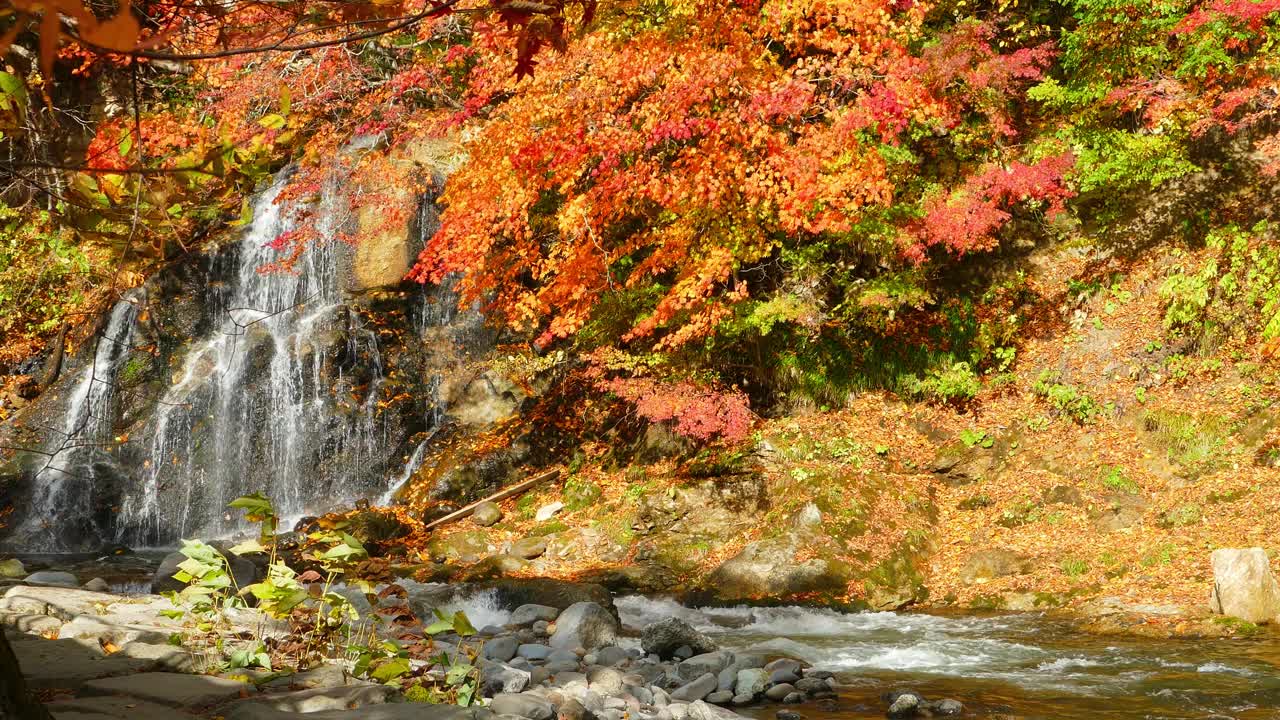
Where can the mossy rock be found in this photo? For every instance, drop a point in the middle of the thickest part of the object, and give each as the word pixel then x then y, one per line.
pixel 464 547
pixel 579 494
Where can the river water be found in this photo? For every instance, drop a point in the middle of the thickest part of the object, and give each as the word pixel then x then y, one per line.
pixel 1012 666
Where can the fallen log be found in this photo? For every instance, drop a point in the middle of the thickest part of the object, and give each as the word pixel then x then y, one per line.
pixel 502 494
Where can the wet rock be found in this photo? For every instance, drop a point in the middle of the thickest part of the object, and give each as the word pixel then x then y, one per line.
pixel 531 613
pixel 788 715
pixel 529 548
pixel 947 707
pixel 720 697
pixel 495 566
pixel 779 691
pixel 993 563
pixel 1244 586
pixel 584 625
pixel 461 547
pixel 811 685
pixel 784 675
pixel 52 577
pixel 664 637
pixel 486 514
pixel 698 689
pixel 571 709
pixel 905 704
pixel 534 652
pixel 770 568
pixel 525 705
pixel 497 678
pixel 751 682
pixel 605 681
pixel 794 698
pixel 513 592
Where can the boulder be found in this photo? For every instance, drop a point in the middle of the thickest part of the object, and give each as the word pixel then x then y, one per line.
pixel 514 592
pixel 531 613
pixel 663 637
pixel 12 568
pixel 486 514
pixel 185 691
pixel 585 625
pixel 525 705
pixel 780 691
pixel 989 564
pixel 751 682
pixel 502 648
pixel 770 569
pixel 52 577
pixel 1244 586
pixel 697 689
pixel 546 512
pixel 529 548
pixel 244 571
pixel 98 585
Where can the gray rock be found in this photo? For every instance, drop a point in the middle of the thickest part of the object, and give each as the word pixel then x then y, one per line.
pixel 491 631
pixel 768 568
pixel 547 511
pixel 539 676
pixel 69 664
pixel 641 693
pixel 98 585
pixel 499 678
pixel 727 679
pixel 534 652
pixel 705 711
pixel 556 667
pixel 783 675
pixel 720 697
pixel 784 664
pixel 541 628
pixel 525 705
pixel 904 705
pixel 529 548
pixel 664 637
pixel 678 710
pixel 168 657
pixel 389 711
pixel 697 689
pixel 794 698
pixel 712 662
pixel 102 708
pixel 520 663
pixel 743 699
pixel 52 577
pixel 185 691
pixel 501 649
pixel 562 656
pixel 571 709
pixel 585 625
pixel 985 565
pixel 1244 586
pixel 661 698
pixel 605 681
pixel 612 656
pixel 310 701
pixel 531 613
pixel 751 682
pixel 486 514
pixel 788 715
pixel 779 691
pixel 244 571
pixel 811 685
pixel 682 652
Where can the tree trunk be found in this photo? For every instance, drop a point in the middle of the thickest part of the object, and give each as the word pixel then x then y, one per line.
pixel 15 702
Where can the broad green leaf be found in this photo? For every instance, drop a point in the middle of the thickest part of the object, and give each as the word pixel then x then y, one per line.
pixel 462 625
pixel 390 670
pixel 247 547
pixel 458 673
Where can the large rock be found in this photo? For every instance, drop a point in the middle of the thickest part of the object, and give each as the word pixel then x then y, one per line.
pixel 986 565
pixel 1243 585
pixel 514 592
pixel 12 568
pixel 662 638
pixel 52 577
pixel 185 691
pixel 486 514
pixel 585 625
pixel 525 705
pixel 770 569
pixel 15 702
pixel 244 571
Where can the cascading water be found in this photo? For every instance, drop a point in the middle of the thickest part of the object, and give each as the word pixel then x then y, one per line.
pixel 75 454
pixel 251 410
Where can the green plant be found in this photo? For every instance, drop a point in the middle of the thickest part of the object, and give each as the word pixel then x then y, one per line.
pixel 955 384
pixel 1189 440
pixel 976 437
pixel 1067 399
pixel 1074 567
pixel 1115 479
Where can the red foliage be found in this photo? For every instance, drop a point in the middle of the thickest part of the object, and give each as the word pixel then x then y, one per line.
pixel 697 412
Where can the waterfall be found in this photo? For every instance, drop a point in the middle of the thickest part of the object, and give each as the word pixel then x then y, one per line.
pixel 76 454
pixel 253 408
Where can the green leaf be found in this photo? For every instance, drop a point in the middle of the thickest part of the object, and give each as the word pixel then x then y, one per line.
pixel 458 673
pixel 462 625
pixel 255 506
pixel 390 670
pixel 248 547
pixel 126 144
pixel 173 614
pixel 13 86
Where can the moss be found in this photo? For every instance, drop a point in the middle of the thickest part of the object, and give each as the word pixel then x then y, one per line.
pixel 1181 516
pixel 1243 628
pixel 580 494
pixel 549 527
pixel 987 602
pixel 135 370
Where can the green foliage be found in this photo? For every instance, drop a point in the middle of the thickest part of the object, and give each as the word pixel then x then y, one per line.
pixel 1236 291
pixel 43 272
pixel 1067 399
pixel 1074 567
pixel 1115 480
pixel 1189 440
pixel 955 384
pixel 580 493
pixel 976 437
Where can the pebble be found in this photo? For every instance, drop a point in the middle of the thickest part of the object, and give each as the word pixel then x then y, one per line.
pixel 779 691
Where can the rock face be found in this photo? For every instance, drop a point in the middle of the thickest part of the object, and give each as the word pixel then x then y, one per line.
pixel 768 568
pixel 1244 586
pixel 664 637
pixel 584 625
pixel 989 564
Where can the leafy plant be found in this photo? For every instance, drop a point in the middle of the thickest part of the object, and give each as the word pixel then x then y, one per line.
pixel 1067 399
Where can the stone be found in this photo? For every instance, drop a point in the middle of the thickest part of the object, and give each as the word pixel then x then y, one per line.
pixel 663 637
pixel 788 715
pixel 779 691
pixel 529 548
pixel 994 563
pixel 720 697
pixel 811 685
pixel 743 699
pixel 585 625
pixel 712 662
pixel 12 568
pixel 486 514
pixel 100 708
pixel 947 707
pixel 571 709
pixel 611 656
pixel 1244 586
pixel 496 677
pixel 751 681
pixel 52 577
pixel 784 675
pixel 244 571
pixel 697 689
pixel 727 678
pixel 98 585
pixel 69 664
pixel 770 568
pixel 561 656
pixel 905 705
pixel 16 700
pixel 605 681
pixel 185 691
pixel 314 700
pixel 166 656
pixel 534 652
pixel 532 613
pixel 546 512
pixel 388 711
pixel 525 705
pixel 502 648
pixel 683 652
pixel 701 710
pixel 514 592
pixel 794 698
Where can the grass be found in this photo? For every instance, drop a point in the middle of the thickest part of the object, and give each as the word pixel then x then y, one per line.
pixel 1189 440
pixel 1115 480
pixel 1074 567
